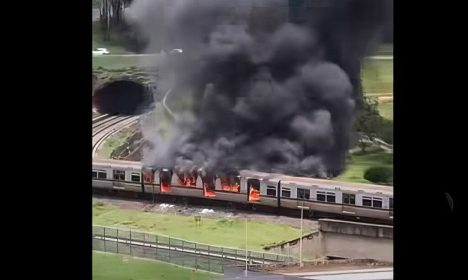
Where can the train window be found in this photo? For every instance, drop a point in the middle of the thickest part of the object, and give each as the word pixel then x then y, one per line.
pixel 271 190
pixel 102 174
pixel 391 203
pixel 349 198
pixel 366 201
pixel 119 175
pixel 136 177
pixel 285 192
pixel 377 202
pixel 99 174
pixel 331 197
pixel 303 193
pixel 321 196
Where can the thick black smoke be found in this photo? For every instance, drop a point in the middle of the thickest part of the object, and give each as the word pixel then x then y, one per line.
pixel 274 88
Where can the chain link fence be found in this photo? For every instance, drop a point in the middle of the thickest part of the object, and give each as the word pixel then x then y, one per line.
pixel 178 251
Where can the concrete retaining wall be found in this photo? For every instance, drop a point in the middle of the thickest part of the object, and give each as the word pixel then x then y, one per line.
pixel 344 239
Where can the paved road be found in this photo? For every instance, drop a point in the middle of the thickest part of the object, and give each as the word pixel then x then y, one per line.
pixel 362 274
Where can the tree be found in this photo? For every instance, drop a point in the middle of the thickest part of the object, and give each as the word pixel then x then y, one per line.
pixel 368 122
pixel 111 14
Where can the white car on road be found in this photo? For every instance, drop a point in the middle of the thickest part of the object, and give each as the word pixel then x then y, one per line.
pixel 176 51
pixel 100 51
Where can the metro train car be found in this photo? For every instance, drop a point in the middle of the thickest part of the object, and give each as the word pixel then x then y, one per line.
pixel 251 187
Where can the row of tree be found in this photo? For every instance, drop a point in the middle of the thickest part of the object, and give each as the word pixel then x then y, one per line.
pixel 369 124
pixel 111 15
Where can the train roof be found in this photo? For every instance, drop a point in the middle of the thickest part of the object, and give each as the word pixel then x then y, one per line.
pixel 370 188
pixel 117 163
pixel 262 175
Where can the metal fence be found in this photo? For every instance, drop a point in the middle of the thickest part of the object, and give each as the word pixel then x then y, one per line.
pixel 178 251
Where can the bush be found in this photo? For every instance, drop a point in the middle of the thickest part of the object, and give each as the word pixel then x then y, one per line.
pixel 385 131
pixel 379 175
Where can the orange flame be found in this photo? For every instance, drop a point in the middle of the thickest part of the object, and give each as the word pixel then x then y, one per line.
pixel 165 187
pixel 207 192
pixel 228 184
pixel 254 194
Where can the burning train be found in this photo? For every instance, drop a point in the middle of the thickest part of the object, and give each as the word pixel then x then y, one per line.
pixel 322 197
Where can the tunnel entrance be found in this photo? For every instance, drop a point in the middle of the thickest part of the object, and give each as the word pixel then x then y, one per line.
pixel 122 97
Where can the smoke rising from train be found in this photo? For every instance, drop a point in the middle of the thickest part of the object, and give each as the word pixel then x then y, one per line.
pixel 267 94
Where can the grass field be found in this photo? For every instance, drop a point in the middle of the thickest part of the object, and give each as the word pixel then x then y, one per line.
pixel 222 232
pixel 115 141
pixel 377 76
pixel 386 109
pixel 360 162
pixel 118 267
pixel 119 62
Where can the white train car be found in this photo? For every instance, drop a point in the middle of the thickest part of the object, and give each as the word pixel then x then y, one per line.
pixel 117 175
pixel 351 199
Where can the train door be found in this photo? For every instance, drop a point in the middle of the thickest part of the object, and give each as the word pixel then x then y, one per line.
pixel 390 207
pixel 209 186
pixel 303 195
pixel 253 190
pixel 348 202
pixel 165 177
pixel 148 179
pixel 118 177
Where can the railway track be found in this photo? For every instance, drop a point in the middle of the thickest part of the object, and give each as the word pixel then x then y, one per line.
pixel 106 125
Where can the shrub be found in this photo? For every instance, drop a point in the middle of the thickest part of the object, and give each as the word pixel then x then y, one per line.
pixel 379 175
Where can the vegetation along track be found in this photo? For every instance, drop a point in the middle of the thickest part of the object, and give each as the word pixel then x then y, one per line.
pixel 106 125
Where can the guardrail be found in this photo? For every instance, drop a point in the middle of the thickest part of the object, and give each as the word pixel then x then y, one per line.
pixel 179 251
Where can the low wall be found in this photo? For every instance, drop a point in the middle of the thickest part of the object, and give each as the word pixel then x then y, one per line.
pixel 343 239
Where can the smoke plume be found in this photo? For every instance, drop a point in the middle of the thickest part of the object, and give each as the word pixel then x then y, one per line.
pixel 266 86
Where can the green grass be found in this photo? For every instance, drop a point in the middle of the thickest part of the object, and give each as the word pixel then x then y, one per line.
pixel 118 267
pixel 386 109
pixel 115 141
pixel 119 62
pixel 377 76
pixel 360 162
pixel 214 231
